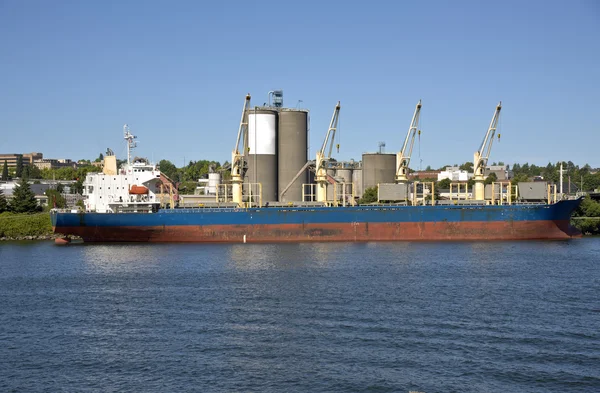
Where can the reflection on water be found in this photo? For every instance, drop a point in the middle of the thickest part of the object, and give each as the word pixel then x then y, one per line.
pixel 286 256
pixel 121 258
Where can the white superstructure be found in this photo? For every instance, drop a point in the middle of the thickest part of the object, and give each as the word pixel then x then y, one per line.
pixel 132 188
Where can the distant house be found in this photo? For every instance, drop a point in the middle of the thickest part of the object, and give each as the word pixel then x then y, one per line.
pixel 455 174
pixel 38 189
pixel 423 175
pixel 51 163
pixel 500 170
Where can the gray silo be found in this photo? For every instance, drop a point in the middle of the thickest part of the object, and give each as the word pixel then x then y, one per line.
pixel 345 176
pixel 292 152
pixel 262 155
pixel 378 168
pixel 357 180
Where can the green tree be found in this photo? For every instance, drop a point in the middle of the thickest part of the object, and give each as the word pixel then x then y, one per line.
pixel 5 171
pixel 369 196
pixel 77 187
pixel 444 184
pixel 25 172
pixel 23 200
pixel 34 172
pixel 520 178
pixel 491 178
pixel 60 188
pixel 3 202
pixel 19 171
pixel 55 199
pixel 100 158
pixel 168 169
pixel 467 166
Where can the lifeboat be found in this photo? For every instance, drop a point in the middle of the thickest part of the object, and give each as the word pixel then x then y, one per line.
pixel 138 190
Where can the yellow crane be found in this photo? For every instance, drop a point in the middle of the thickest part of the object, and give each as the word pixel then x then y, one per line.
pixel 480 158
pixel 322 159
pixel 238 162
pixel 403 157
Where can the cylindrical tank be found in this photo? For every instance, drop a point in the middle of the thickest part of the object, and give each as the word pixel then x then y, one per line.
pixel 378 168
pixel 214 179
pixel 357 180
pixel 262 157
pixel 292 144
pixel 345 176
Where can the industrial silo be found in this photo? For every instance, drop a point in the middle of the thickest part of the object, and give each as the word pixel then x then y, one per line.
pixel 378 168
pixel 292 152
pixel 345 176
pixel 262 154
pixel 357 180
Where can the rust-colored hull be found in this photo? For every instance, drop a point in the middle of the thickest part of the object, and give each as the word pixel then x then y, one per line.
pixel 357 232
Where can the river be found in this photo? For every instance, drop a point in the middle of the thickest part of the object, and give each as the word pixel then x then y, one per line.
pixel 314 317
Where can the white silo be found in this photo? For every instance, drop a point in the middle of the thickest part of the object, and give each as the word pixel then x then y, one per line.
pixel 262 154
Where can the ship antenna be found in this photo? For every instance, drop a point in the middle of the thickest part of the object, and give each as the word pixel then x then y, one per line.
pixel 130 142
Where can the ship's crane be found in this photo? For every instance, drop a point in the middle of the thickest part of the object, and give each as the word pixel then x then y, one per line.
pixel 238 162
pixel 480 158
pixel 322 159
pixel 403 157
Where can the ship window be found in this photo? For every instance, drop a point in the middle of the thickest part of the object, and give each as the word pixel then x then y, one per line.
pixel 109 188
pixel 100 187
pixel 115 178
pixel 90 189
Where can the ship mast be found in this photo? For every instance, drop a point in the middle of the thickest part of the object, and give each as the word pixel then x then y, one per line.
pixel 130 142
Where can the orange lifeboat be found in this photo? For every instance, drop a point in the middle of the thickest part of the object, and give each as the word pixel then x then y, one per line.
pixel 138 190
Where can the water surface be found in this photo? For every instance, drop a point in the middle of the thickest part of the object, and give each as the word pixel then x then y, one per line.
pixel 336 317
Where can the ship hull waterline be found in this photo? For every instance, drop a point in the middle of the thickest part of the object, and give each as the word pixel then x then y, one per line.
pixel 276 225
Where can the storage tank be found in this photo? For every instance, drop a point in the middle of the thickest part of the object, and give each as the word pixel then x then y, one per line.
pixel 292 144
pixel 378 168
pixel 345 176
pixel 357 180
pixel 214 179
pixel 262 157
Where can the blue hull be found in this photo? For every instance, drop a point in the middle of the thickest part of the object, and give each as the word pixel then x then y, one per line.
pixel 362 223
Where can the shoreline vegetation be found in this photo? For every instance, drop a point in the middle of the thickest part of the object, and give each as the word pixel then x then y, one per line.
pixel 37 226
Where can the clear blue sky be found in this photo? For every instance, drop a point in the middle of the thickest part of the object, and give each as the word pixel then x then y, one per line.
pixel 73 72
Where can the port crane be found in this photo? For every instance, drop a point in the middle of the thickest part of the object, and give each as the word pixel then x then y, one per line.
pixel 322 159
pixel 403 157
pixel 480 158
pixel 238 161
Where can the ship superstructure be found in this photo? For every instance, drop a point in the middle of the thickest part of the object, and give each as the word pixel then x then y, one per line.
pixel 132 188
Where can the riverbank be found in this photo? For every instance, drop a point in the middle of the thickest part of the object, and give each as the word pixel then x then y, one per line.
pixel 37 226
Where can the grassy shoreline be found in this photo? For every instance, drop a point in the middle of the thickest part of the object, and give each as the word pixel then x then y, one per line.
pixel 24 226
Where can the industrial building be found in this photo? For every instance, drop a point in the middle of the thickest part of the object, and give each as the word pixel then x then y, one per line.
pixel 28 159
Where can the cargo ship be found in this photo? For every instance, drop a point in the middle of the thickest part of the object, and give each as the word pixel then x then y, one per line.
pixel 138 203
pixel 321 224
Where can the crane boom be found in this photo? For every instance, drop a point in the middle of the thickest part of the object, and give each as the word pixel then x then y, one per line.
pixel 320 170
pixel 481 156
pixel 330 137
pixel 403 157
pixel 237 157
